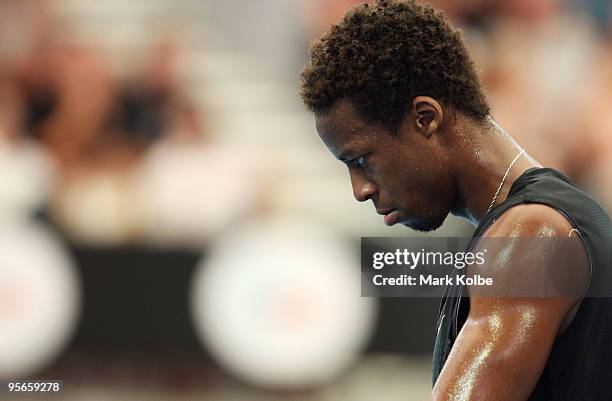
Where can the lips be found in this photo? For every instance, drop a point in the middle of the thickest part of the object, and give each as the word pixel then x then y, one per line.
pixel 391 215
pixel 383 212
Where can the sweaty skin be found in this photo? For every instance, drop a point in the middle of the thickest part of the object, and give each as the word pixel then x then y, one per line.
pixel 440 161
pixel 504 345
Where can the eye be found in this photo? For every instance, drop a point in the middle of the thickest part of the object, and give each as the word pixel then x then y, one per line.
pixel 359 162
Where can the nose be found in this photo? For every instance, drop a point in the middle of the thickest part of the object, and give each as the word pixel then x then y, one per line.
pixel 363 188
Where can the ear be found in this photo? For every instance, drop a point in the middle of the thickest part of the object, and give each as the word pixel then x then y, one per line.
pixel 428 114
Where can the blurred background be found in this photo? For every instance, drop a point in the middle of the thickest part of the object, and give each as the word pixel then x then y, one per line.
pixel 171 228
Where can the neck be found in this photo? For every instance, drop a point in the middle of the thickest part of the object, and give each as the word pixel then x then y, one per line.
pixel 486 152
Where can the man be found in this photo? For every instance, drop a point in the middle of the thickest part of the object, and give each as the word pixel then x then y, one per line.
pixel 396 98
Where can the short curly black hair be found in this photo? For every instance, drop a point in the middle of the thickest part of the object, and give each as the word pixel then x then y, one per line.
pixel 381 56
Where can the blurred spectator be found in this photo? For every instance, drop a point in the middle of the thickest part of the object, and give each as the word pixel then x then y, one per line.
pixel 593 141
pixel 94 123
pixel 599 10
pixel 123 120
pixel 538 56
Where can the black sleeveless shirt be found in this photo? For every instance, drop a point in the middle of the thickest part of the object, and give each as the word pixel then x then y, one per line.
pixel 579 367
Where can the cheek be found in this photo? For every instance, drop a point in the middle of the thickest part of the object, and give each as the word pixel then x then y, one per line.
pixel 400 187
pixel 400 178
pixel 439 192
pixel 420 189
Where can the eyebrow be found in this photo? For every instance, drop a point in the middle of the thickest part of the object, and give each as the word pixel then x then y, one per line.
pixel 346 151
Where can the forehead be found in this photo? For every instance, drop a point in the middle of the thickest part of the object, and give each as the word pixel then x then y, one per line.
pixel 343 130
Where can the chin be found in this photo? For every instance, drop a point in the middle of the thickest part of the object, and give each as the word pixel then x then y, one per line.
pixel 425 225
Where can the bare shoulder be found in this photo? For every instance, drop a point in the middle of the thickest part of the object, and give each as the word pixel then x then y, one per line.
pixel 512 333
pixel 532 244
pixel 534 253
pixel 531 220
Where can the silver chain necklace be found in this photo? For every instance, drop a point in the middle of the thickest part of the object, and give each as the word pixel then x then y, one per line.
pixel 501 184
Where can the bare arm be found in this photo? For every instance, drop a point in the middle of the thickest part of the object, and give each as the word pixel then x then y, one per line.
pixel 505 343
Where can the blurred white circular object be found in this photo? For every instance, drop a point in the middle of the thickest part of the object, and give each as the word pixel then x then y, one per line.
pixel 279 304
pixel 39 299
